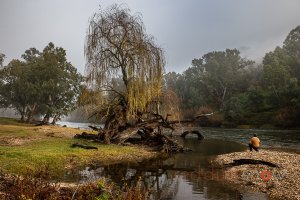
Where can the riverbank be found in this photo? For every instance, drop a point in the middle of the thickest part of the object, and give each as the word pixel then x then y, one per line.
pixel 25 147
pixel 278 182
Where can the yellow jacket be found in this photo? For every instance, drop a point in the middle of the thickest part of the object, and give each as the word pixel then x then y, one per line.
pixel 255 141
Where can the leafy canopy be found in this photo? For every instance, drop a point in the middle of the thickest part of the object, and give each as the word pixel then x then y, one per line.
pixel 118 48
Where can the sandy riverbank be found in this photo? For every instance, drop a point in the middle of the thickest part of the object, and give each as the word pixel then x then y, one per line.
pixel 279 183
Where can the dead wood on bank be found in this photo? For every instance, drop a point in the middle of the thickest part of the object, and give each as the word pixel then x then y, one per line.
pixel 148 131
pixel 94 128
pixel 239 162
pixel 84 146
pixel 88 136
pixel 185 133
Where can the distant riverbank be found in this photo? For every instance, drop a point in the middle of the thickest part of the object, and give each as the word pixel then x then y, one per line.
pixel 278 183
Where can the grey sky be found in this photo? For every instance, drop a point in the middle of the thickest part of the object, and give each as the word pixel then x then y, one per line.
pixel 185 29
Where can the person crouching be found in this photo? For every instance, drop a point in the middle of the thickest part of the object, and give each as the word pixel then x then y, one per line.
pixel 254 143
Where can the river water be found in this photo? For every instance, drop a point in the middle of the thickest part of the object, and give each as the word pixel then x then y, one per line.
pixel 188 175
pixel 288 139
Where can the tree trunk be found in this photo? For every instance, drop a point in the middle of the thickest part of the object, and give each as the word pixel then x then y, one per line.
pixel 55 118
pixel 46 118
pixel 29 117
pixel 22 117
pixel 30 112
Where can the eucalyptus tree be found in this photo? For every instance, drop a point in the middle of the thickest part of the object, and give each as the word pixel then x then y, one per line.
pixel 60 83
pixel 292 47
pixel 220 73
pixel 44 83
pixel 14 87
pixel 118 48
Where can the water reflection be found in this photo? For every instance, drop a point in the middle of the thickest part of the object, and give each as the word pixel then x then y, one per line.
pixel 181 176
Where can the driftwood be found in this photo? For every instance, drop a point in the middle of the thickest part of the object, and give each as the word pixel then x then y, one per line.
pixel 251 162
pixel 95 128
pixel 149 129
pixel 84 146
pixel 88 136
pixel 200 136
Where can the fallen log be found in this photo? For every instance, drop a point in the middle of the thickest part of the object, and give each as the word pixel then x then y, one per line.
pixel 239 162
pixel 150 131
pixel 95 128
pixel 84 146
pixel 85 135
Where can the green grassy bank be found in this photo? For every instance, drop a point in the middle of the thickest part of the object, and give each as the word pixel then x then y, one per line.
pixel 25 147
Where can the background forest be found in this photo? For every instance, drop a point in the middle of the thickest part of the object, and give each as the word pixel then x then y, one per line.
pixel 239 91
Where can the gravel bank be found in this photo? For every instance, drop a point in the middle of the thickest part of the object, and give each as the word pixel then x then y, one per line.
pixel 278 183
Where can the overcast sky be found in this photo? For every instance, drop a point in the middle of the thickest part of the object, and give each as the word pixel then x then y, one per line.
pixel 185 29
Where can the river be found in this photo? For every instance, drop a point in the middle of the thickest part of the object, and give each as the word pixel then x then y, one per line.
pixel 288 139
pixel 189 175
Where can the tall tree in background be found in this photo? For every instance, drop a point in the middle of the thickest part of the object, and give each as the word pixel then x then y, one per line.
pixel 220 74
pixel 60 81
pixel 292 46
pixel 44 84
pixel 118 46
pixel 15 89
pixel 276 74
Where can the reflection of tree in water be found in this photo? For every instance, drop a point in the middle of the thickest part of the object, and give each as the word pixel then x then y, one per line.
pixel 162 178
pixel 165 178
pixel 152 176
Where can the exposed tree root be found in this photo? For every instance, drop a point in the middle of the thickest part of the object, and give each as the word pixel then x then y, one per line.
pixel 149 130
pixel 200 136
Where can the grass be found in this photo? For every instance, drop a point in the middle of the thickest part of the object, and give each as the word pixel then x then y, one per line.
pixel 25 147
pixel 10 121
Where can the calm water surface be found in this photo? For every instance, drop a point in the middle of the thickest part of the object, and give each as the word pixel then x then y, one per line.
pixel 181 176
pixel 188 175
pixel 289 139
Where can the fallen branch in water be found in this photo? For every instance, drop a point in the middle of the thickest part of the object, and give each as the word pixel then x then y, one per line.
pixel 200 136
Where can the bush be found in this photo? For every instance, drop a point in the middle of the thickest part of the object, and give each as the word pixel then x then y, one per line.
pixel 37 186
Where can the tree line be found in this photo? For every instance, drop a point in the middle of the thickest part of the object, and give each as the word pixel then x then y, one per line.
pixel 42 84
pixel 240 91
pixel 124 81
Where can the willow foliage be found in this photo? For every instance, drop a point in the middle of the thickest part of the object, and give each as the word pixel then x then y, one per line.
pixel 117 47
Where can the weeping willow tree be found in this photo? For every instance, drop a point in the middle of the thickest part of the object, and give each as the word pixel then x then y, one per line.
pixel 124 66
